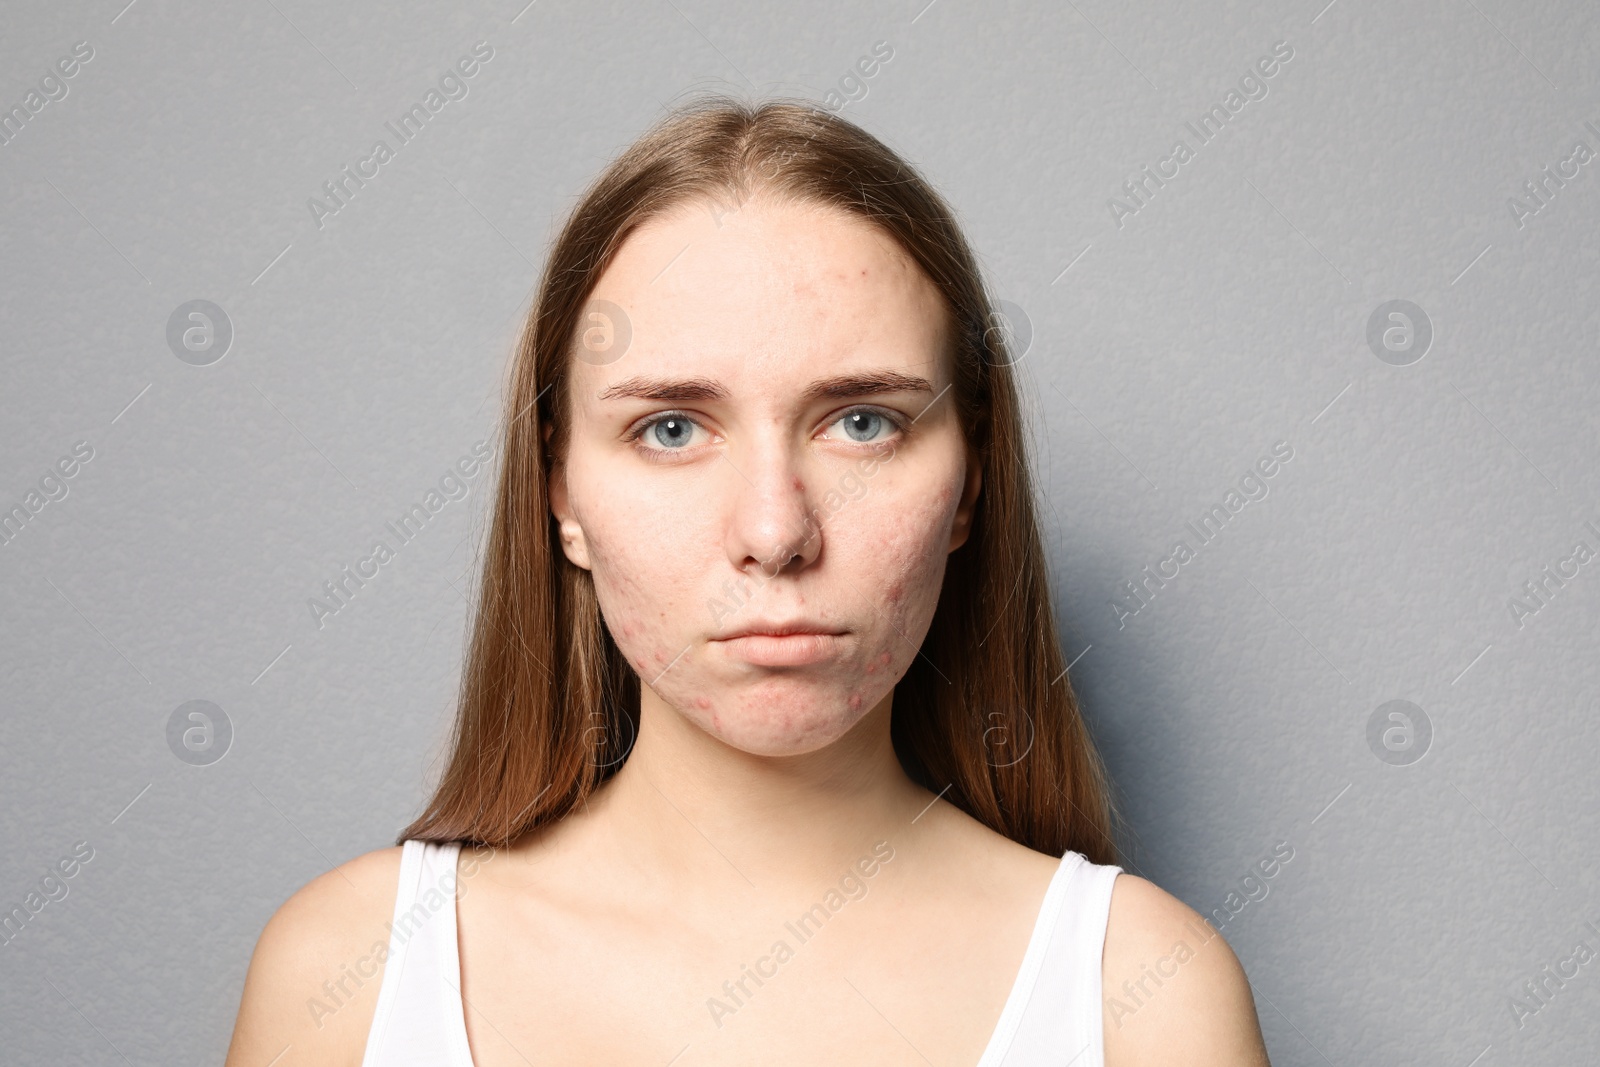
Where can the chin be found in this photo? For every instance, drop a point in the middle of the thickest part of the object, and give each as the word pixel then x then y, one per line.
pixel 780 717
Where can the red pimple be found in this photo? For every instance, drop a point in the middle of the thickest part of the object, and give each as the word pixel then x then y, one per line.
pixel 703 702
pixel 855 701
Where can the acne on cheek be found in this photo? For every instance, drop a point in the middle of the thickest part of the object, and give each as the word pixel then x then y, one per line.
pixel 638 619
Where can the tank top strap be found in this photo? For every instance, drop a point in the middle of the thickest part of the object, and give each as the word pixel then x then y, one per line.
pixel 1061 1021
pixel 419 1019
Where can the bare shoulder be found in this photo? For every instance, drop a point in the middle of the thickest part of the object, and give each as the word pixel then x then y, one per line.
pixel 1174 991
pixel 312 987
pixel 975 859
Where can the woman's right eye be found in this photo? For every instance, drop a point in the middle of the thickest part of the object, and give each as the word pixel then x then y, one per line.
pixel 669 432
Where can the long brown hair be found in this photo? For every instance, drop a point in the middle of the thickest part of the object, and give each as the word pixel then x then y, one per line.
pixel 548 709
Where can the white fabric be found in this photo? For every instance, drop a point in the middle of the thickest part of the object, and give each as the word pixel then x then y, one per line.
pixel 1052 1015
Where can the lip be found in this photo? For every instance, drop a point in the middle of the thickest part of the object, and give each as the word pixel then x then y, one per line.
pixel 782 644
pixel 795 627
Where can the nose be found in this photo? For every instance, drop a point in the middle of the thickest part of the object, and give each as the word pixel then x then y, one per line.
pixel 772 526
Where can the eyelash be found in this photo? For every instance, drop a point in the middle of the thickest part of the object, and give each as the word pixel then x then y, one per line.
pixel 896 422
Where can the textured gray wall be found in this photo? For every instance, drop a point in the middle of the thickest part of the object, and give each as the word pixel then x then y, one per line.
pixel 1177 337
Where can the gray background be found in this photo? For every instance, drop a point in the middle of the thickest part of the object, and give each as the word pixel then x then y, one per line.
pixel 1229 313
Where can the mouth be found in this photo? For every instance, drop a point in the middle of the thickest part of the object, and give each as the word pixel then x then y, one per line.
pixel 782 644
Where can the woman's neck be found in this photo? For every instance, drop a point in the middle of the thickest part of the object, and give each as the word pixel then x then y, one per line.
pixel 688 807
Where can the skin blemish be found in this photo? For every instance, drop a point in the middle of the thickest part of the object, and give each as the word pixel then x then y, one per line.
pixel 702 702
pixel 855 701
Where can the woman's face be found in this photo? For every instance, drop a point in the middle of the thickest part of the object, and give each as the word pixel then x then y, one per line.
pixel 774 450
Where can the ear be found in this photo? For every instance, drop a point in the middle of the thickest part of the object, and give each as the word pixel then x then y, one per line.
pixel 573 544
pixel 969 501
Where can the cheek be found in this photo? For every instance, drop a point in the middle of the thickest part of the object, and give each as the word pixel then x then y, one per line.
pixel 909 553
pixel 643 572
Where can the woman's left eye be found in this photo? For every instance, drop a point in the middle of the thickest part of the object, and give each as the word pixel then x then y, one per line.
pixel 864 426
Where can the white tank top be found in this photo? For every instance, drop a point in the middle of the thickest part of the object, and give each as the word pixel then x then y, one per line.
pixel 1052 1015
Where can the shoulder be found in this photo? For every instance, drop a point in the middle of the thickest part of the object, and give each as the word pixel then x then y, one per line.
pixel 312 987
pixel 1173 989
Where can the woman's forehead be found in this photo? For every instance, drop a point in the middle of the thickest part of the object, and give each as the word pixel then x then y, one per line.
pixel 767 290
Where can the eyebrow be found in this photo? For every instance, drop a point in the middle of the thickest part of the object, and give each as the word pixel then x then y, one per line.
pixel 843 386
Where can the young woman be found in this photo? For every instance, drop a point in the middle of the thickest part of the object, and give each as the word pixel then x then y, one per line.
pixel 766 752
